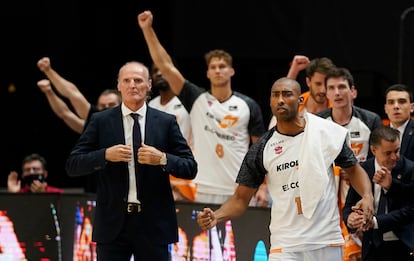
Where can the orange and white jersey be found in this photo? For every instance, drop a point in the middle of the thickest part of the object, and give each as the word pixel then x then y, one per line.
pixel 290 230
pixel 283 160
pixel 359 127
pixel 221 132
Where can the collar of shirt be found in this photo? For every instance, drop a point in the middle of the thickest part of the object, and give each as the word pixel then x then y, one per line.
pixel 129 122
pixel 401 129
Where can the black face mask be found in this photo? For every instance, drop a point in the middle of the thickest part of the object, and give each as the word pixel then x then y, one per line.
pixel 28 180
pixel 160 83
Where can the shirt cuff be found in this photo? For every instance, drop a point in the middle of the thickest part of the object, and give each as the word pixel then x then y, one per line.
pixel 374 219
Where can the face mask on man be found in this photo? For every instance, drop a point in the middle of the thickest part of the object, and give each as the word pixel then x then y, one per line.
pixel 28 180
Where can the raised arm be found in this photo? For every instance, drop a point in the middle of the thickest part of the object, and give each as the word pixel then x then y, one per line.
pixel 60 108
pixel 159 55
pixel 298 64
pixel 65 88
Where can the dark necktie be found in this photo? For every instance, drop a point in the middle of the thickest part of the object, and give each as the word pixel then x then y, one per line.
pixel 382 203
pixel 377 235
pixel 136 141
pixel 136 132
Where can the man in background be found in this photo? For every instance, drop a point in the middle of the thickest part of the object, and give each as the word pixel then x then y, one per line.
pixel 33 179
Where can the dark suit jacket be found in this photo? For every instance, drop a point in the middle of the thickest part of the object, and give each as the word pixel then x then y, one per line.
pixel 407 142
pixel 106 129
pixel 400 216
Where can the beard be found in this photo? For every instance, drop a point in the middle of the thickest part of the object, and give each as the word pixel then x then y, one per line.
pixel 161 84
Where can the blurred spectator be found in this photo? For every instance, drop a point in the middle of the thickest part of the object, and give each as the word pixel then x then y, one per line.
pixel 33 177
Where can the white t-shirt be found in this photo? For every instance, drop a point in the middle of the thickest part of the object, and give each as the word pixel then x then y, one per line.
pixel 175 107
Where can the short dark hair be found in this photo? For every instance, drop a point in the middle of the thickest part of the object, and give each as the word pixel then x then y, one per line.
pixel 399 87
pixel 218 53
pixel 33 157
pixel 321 65
pixel 386 133
pixel 112 91
pixel 340 72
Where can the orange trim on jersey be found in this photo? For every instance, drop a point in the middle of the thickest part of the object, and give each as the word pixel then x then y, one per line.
pixel 275 250
pixel 335 245
pixel 186 187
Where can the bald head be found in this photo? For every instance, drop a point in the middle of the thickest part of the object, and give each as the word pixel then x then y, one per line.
pixel 134 65
pixel 285 99
pixel 287 83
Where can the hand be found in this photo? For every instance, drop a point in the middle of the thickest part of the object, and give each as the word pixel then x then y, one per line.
pixel 13 182
pixel 365 207
pixel 44 85
pixel 38 187
pixel 298 64
pixel 44 64
pixel 145 19
pixel 118 153
pixel 383 178
pixel 206 219
pixel 356 220
pixel 149 155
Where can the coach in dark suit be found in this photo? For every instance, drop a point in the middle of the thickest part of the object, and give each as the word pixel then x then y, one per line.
pixel 407 142
pixel 391 233
pixel 399 107
pixel 135 210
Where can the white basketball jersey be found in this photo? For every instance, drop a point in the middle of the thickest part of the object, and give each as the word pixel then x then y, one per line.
pixel 175 107
pixel 290 230
pixel 221 139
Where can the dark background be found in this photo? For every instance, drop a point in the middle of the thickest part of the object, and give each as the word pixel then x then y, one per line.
pixel 88 42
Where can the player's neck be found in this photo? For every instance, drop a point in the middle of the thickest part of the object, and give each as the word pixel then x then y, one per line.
pixel 293 127
pixel 221 93
pixel 165 97
pixel 313 107
pixel 342 116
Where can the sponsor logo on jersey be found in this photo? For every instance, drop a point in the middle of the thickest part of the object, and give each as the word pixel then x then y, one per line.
pixel 357 148
pixel 278 149
pixel 355 134
pixel 227 121
pixel 287 165
pixel 220 135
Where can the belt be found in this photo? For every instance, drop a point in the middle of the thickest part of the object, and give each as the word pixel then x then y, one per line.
pixel 133 207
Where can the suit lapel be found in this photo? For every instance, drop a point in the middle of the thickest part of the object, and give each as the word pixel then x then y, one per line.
pixel 117 125
pixel 151 124
pixel 407 136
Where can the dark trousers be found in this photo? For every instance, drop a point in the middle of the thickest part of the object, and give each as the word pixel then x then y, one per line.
pixel 132 241
pixel 389 250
